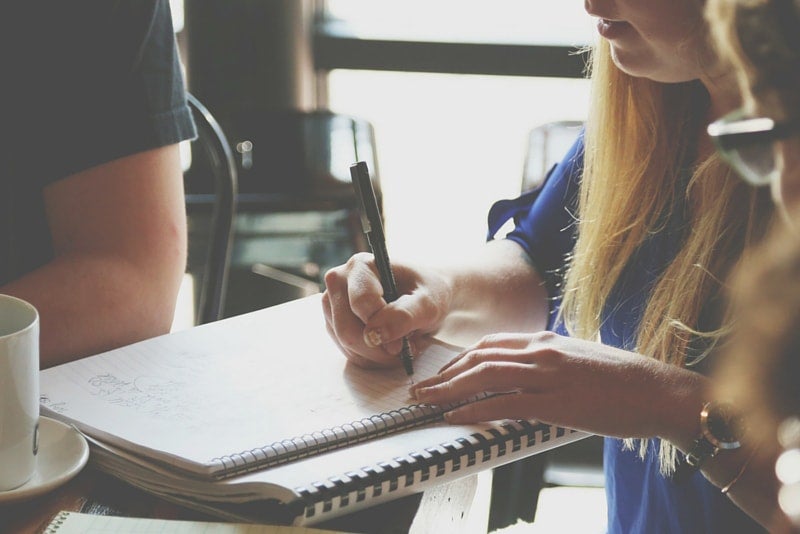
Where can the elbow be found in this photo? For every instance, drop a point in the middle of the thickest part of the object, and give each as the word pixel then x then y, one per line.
pixel 167 286
pixel 159 283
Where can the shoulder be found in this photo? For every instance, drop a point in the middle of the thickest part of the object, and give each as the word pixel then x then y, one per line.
pixel 110 67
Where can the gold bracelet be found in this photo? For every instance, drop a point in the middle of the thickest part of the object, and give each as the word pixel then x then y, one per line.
pixel 742 469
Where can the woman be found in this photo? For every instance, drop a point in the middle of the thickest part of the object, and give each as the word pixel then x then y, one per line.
pixel 627 249
pixel 761 368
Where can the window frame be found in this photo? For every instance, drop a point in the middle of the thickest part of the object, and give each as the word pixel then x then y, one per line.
pixel 335 47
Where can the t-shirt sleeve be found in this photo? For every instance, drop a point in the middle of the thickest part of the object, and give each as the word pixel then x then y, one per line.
pixel 120 88
pixel 544 218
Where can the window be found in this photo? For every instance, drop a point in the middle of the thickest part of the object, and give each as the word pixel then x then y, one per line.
pixel 534 22
pixel 451 139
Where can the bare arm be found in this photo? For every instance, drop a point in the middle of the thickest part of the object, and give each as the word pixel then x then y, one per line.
pixel 119 238
pixel 600 389
pixel 499 290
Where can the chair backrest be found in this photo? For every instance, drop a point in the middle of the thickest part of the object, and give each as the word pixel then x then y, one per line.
pixel 547 144
pixel 299 160
pixel 296 210
pixel 217 160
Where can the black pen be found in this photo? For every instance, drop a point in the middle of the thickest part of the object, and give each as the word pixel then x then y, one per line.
pixel 372 224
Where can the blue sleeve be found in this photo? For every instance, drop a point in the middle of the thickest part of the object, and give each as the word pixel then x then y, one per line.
pixel 544 219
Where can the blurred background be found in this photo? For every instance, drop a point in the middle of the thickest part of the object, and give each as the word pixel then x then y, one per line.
pixel 454 104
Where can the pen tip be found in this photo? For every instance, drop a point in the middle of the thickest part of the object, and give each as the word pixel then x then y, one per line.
pixel 407 358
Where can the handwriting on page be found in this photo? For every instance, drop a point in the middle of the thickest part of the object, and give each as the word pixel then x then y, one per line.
pixel 145 383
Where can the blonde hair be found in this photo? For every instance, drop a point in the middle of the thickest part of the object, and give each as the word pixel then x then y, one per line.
pixel 639 135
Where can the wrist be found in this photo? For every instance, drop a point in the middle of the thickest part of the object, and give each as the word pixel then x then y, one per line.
pixel 721 431
pixel 682 403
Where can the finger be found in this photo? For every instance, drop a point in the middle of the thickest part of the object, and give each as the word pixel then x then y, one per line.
pixel 489 342
pixel 504 340
pixel 356 285
pixel 487 377
pixel 364 289
pixel 416 311
pixel 416 342
pixel 512 406
pixel 365 362
pixel 346 328
pixel 352 356
pixel 358 360
pixel 419 344
pixel 428 382
pixel 452 362
pixel 326 311
pixel 461 363
pixel 365 298
pixel 473 358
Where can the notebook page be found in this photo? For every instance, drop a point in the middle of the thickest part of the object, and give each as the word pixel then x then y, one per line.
pixel 78 523
pixel 227 387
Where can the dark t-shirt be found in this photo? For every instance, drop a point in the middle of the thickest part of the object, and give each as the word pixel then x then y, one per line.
pixel 84 82
pixel 639 497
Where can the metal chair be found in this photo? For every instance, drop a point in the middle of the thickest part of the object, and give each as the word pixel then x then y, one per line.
pixel 547 144
pixel 217 163
pixel 296 212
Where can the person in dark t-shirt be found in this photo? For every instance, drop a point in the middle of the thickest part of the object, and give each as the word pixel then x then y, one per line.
pixel 92 220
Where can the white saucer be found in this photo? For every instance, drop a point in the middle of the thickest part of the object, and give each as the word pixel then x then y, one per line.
pixel 62 454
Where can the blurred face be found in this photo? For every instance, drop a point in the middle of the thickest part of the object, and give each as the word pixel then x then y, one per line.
pixel 661 40
pixel 763 147
pixel 784 150
pixel 785 182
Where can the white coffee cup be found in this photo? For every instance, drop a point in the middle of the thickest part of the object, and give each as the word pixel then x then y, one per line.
pixel 19 391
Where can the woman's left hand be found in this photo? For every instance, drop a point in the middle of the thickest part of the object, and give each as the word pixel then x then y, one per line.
pixel 568 382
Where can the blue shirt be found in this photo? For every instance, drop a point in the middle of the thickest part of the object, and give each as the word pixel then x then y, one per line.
pixel 639 498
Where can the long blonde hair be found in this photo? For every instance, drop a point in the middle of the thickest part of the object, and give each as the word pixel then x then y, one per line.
pixel 639 135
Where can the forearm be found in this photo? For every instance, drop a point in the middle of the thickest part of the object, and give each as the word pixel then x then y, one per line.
pixel 92 303
pixel 499 290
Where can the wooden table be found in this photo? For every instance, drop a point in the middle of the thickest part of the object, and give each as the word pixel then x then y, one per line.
pixel 461 506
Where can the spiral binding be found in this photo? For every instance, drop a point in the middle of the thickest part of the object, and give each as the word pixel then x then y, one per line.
pixel 421 466
pixel 288 450
pixel 56 523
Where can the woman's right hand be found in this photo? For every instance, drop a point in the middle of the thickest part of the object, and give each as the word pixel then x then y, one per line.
pixel 366 328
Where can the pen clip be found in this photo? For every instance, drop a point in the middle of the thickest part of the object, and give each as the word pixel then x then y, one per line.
pixel 359 173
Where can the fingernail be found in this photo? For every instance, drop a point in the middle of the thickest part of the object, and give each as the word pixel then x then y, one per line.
pixel 373 338
pixel 454 417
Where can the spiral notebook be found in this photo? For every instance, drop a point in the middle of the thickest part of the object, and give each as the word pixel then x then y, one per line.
pixel 263 407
